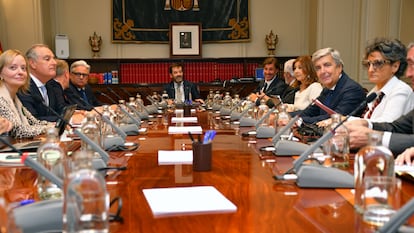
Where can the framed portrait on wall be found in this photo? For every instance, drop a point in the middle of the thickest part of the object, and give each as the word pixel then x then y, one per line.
pixel 185 39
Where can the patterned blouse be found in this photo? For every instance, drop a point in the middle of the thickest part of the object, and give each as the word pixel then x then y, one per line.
pixel 25 125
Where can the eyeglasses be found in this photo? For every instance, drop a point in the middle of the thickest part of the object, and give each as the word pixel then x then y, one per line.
pixel 77 74
pixel 377 64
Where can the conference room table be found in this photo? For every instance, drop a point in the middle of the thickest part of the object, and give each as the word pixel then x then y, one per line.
pixel 240 171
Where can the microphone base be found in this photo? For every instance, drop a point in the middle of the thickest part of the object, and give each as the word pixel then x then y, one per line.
pixel 225 112
pixel 130 129
pixel 216 107
pixel 152 109
pixel 143 115
pixel 42 216
pixel 235 116
pixel 135 121
pixel 316 176
pixel 265 132
pixel 290 148
pixel 244 122
pixel 111 142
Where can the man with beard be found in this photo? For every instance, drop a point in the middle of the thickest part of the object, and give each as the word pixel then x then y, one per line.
pixel 180 90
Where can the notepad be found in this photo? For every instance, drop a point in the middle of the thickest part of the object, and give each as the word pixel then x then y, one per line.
pixel 187 200
pixel 166 157
pixel 405 171
pixel 185 129
pixel 184 119
pixel 13 158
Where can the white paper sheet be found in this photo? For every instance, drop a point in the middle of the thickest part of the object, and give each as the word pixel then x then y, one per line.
pixel 166 157
pixel 184 119
pixel 187 200
pixel 404 168
pixel 185 129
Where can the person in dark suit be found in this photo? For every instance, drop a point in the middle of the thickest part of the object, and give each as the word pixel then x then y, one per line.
pixel 79 92
pixel 340 92
pixel 398 135
pixel 179 89
pixel 57 85
pixel 42 68
pixel 272 85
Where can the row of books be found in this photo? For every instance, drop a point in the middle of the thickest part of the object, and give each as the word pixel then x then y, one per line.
pixel 193 71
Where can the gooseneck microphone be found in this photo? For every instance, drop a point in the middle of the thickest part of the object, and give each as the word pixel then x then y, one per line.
pixel 289 147
pixel 328 135
pixel 104 156
pixel 114 92
pixel 25 158
pixel 321 176
pixel 107 96
pixel 126 92
pixel 227 111
pixel 292 121
pixel 238 116
pixel 137 122
pixel 399 218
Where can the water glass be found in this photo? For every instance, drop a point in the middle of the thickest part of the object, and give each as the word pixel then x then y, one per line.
pixel 381 199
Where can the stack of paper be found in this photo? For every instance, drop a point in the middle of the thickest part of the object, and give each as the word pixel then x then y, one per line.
pixel 185 129
pixel 166 157
pixel 184 119
pixel 406 171
pixel 187 200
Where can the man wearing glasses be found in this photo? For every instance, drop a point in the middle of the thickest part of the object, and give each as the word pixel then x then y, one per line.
pixel 42 68
pixel 79 92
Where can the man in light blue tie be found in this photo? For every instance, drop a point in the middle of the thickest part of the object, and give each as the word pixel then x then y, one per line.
pixel 79 92
pixel 42 67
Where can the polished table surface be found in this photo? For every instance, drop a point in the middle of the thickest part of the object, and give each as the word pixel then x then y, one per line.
pixel 239 171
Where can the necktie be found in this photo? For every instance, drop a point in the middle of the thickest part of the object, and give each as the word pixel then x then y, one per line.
pixel 83 93
pixel 264 87
pixel 328 98
pixel 179 93
pixel 44 94
pixel 368 112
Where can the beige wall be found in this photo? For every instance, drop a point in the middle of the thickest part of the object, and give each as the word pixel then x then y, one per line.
pixel 302 26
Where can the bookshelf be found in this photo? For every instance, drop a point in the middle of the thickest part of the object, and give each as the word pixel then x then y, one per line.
pixel 200 70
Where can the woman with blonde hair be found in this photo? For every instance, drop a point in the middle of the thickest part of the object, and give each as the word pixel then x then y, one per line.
pixel 14 78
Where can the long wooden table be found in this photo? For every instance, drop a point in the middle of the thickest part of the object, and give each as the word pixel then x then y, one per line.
pixel 239 171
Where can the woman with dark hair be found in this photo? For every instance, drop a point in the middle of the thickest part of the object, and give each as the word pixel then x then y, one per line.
pixel 385 61
pixel 14 77
pixel 309 87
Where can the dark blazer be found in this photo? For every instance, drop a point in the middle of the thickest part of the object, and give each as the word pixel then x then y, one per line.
pixel 56 91
pixel 31 101
pixel 402 129
pixel 289 94
pixel 74 96
pixel 347 95
pixel 277 87
pixel 189 87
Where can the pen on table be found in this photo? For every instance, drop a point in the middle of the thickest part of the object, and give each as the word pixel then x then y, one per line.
pixel 191 136
pixel 26 202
